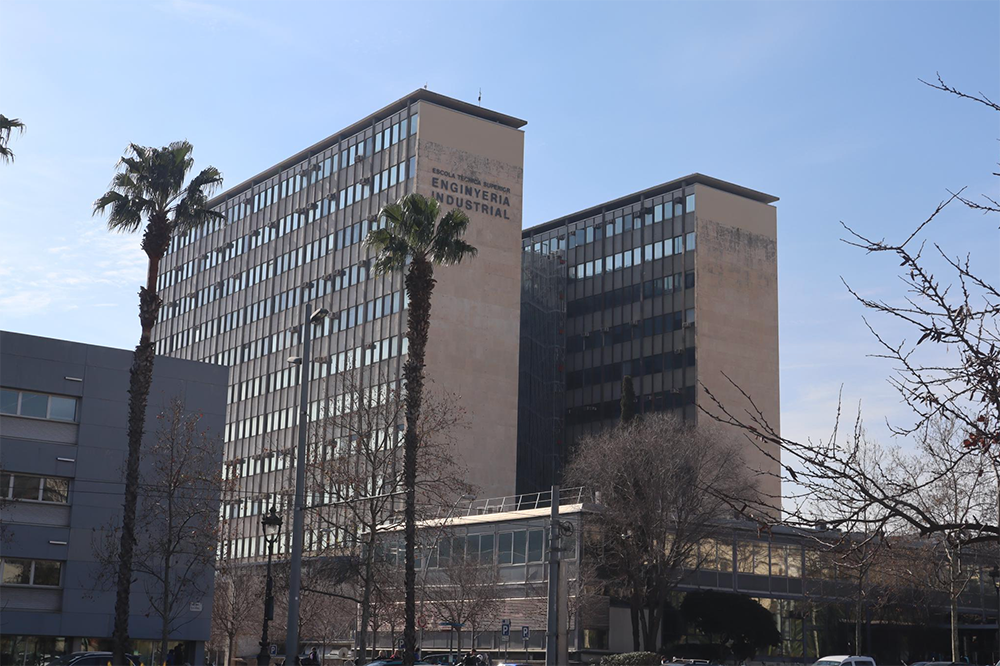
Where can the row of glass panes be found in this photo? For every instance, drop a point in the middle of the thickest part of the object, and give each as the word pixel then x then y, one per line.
pixel 36 488
pixel 633 257
pixel 610 410
pixel 513 547
pixel 379 350
pixel 397 173
pixel 650 364
pixel 612 226
pixel 264 308
pixel 37 405
pixel 648 327
pixel 752 557
pixel 272 305
pixel 293 182
pixel 633 293
pixel 267 269
pixel 39 573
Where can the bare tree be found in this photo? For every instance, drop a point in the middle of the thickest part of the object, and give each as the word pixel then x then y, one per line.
pixel 356 479
pixel 238 607
pixel 951 372
pixel 962 490
pixel 663 485
pixel 465 590
pixel 177 526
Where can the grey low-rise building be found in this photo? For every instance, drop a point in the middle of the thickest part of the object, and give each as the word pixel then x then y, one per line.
pixel 63 444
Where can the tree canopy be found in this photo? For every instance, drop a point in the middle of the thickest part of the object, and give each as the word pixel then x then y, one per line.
pixel 731 620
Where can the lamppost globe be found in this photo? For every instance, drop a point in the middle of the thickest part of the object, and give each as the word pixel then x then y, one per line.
pixel 271 523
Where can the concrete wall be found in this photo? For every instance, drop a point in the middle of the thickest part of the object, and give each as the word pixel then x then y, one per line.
pixel 473 348
pixel 94 461
pixel 737 314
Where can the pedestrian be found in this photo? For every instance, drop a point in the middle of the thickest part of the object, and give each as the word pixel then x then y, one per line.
pixel 471 659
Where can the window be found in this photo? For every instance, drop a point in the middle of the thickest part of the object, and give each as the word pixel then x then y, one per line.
pixel 44 573
pixel 535 538
pixel 520 543
pixel 505 543
pixel 34 488
pixel 37 405
pixel 690 203
pixel 689 241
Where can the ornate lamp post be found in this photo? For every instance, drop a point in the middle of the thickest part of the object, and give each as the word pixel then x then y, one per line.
pixel 271 522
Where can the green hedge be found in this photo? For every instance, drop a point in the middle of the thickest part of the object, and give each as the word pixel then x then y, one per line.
pixel 632 659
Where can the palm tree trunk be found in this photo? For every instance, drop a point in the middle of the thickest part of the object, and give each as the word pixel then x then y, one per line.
pixel 419 284
pixel 155 240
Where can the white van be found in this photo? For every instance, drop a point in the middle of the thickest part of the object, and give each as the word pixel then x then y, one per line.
pixel 844 660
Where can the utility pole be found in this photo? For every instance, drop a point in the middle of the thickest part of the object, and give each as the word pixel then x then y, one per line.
pixel 552 629
pixel 298 515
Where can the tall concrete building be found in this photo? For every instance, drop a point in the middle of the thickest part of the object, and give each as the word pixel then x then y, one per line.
pixel 673 285
pixel 292 240
pixel 63 414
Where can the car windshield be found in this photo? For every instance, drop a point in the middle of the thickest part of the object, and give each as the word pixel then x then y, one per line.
pixel 827 662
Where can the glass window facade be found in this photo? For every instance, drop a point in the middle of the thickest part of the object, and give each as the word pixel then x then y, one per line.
pixel 627 280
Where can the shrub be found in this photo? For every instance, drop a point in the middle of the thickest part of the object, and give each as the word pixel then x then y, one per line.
pixel 632 659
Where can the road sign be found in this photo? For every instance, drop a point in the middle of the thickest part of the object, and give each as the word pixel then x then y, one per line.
pixel 505 628
pixel 195 607
pixel 272 649
pixel 402 644
pixel 525 633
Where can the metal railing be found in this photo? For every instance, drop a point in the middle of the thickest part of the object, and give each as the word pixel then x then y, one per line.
pixel 525 502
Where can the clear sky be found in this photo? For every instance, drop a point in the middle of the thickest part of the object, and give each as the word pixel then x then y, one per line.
pixel 817 103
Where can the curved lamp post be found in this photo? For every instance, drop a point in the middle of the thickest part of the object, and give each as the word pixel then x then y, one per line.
pixel 271 522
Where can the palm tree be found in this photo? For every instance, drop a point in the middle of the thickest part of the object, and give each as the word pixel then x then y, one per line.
pixel 148 184
pixel 7 126
pixel 413 240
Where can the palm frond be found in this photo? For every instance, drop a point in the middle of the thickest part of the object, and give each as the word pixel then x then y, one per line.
pixel 390 251
pixel 150 181
pixel 448 246
pixel 453 251
pixel 125 216
pixel 7 126
pixel 192 210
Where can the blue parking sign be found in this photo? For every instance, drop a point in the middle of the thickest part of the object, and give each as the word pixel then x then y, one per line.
pixel 525 633
pixel 505 628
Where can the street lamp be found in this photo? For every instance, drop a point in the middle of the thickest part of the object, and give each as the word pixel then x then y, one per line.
pixel 271 522
pixel 295 571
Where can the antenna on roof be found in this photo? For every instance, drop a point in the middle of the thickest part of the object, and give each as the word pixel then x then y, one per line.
pixel 480 97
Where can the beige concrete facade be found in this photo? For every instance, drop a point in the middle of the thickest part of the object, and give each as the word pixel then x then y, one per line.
pixel 476 165
pixel 736 300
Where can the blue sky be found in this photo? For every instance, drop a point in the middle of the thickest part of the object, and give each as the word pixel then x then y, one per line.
pixel 817 103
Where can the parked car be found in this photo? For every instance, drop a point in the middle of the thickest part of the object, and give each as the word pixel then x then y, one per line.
pixel 844 660
pixel 443 658
pixel 87 659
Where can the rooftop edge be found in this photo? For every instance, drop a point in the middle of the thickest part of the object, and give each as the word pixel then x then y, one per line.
pixel 655 190
pixel 419 95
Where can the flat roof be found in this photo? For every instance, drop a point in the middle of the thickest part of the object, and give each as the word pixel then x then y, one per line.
pixel 656 190
pixel 419 95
